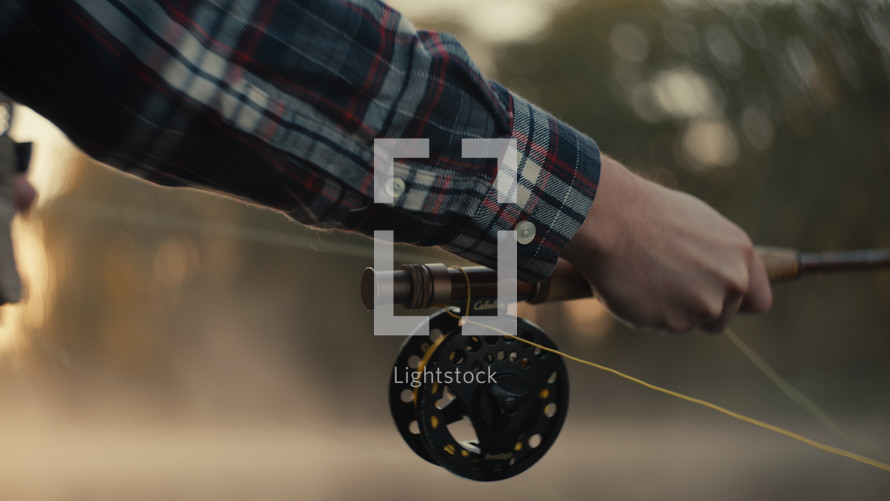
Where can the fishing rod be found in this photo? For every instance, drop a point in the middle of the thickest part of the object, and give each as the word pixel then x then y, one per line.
pixel 517 408
pixel 419 286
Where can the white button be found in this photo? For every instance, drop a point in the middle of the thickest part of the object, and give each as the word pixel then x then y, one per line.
pixel 525 232
pixel 396 189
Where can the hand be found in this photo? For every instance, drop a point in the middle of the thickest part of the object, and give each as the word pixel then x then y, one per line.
pixel 663 259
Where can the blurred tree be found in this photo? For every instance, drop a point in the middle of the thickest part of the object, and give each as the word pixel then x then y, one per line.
pixel 778 114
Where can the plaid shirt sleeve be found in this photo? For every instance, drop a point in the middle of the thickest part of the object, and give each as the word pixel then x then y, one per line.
pixel 280 101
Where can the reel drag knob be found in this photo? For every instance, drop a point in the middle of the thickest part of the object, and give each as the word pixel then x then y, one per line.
pixel 501 401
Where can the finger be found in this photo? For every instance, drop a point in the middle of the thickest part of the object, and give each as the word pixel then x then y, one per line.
pixel 730 309
pixel 759 297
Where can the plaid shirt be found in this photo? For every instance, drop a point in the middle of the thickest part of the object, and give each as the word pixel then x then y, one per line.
pixel 280 101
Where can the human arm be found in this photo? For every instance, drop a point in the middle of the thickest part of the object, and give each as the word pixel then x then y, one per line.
pixel 280 102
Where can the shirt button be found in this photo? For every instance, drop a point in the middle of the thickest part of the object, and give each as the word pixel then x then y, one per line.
pixel 398 188
pixel 525 232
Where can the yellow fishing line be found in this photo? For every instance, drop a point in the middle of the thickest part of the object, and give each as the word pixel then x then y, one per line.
pixel 426 359
pixel 756 422
pixel 796 396
pixel 467 278
pixel 704 403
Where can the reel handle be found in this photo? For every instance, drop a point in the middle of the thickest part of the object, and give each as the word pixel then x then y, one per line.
pixel 418 286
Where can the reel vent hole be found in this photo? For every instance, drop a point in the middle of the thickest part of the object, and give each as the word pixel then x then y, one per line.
pixel 473 344
pixel 447 398
pixel 413 361
pixel 534 441
pixel 491 340
pixel 462 432
pixel 550 410
pixel 435 334
pixel 457 357
pixel 406 395
pixel 414 428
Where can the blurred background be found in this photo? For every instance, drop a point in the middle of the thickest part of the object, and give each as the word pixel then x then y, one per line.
pixel 178 344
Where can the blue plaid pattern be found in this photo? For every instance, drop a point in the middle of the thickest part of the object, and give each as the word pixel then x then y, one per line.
pixel 279 102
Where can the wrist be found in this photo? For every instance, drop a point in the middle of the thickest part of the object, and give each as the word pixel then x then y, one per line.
pixel 601 231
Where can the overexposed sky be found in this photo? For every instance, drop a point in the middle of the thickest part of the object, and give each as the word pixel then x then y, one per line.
pixel 490 20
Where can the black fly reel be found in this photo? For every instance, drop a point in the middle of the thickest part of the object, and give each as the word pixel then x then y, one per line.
pixel 485 408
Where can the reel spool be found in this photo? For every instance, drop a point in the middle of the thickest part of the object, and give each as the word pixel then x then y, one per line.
pixel 485 408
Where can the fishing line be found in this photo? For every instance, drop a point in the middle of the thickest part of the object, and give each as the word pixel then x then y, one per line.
pixel 800 399
pixel 101 211
pixel 333 242
pixel 704 403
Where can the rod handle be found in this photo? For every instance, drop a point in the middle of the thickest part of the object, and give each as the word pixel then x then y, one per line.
pixel 422 286
pixel 780 263
pixel 566 282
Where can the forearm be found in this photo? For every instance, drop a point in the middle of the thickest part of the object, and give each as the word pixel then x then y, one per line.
pixel 281 105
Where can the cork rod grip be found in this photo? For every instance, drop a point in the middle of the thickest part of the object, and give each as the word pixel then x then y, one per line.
pixel 780 263
pixel 566 283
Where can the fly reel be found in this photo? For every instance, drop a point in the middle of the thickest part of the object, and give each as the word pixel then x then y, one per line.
pixel 485 408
